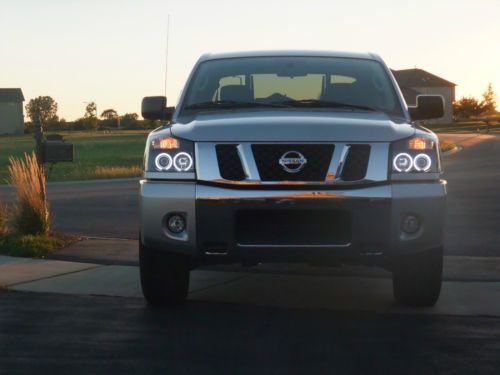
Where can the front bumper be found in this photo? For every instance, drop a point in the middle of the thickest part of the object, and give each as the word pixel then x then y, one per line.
pixel 213 234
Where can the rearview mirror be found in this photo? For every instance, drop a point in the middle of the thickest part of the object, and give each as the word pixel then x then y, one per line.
pixel 155 108
pixel 428 107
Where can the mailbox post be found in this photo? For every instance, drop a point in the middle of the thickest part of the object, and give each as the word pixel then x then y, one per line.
pixel 39 155
pixel 39 141
pixel 51 148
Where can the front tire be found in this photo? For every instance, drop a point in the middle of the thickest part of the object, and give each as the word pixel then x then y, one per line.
pixel 164 276
pixel 417 278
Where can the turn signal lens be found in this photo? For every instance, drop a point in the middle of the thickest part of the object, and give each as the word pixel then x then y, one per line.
pixel 420 143
pixel 165 143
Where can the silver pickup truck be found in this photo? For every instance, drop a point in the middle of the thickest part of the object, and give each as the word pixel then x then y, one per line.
pixel 292 156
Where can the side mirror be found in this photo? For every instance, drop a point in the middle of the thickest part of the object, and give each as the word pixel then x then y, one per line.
pixel 155 108
pixel 428 107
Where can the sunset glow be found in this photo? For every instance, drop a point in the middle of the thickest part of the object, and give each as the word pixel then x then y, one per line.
pixel 113 52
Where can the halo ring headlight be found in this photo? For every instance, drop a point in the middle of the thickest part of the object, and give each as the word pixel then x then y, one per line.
pixel 422 162
pixel 402 162
pixel 163 162
pixel 183 162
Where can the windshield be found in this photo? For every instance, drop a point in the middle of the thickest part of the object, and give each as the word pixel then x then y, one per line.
pixel 305 82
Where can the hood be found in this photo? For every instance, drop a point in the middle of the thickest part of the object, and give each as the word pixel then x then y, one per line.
pixel 291 126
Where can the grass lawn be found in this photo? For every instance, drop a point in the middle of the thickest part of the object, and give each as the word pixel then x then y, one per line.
pixel 465 127
pixel 96 155
pixel 29 245
pixel 33 246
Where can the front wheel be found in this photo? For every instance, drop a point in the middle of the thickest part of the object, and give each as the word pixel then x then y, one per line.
pixel 417 278
pixel 164 276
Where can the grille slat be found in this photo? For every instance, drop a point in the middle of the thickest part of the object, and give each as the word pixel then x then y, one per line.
pixel 356 164
pixel 230 166
pixel 267 158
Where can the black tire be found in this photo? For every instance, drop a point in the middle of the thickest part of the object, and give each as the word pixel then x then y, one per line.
pixel 417 278
pixel 164 276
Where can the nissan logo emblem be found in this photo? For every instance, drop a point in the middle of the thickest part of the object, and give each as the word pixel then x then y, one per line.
pixel 292 161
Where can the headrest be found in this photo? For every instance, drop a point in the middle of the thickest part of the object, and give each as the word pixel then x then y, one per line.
pixel 235 92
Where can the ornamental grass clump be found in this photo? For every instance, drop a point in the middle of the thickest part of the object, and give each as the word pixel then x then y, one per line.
pixel 30 214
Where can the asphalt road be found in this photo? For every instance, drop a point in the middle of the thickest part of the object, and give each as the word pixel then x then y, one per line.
pixel 110 208
pixel 473 205
pixel 51 334
pixel 242 333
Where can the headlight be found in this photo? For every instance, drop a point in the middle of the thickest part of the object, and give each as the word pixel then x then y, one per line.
pixel 402 162
pixel 417 155
pixel 169 154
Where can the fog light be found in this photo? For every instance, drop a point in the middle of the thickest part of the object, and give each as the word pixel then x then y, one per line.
pixel 410 224
pixel 176 224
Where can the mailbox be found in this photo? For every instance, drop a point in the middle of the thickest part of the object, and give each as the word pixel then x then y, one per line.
pixel 56 150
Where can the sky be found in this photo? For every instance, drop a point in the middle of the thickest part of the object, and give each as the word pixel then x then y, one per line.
pixel 113 51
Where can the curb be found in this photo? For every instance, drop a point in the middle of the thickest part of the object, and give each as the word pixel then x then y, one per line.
pixel 103 180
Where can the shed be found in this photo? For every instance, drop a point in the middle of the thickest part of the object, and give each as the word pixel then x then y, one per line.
pixel 11 111
pixel 413 82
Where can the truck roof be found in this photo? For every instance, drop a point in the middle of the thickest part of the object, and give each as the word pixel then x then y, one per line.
pixel 304 53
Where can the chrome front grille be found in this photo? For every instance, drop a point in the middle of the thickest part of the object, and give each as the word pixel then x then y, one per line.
pixel 259 163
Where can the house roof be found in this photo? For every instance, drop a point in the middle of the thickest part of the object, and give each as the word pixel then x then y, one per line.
pixel 11 96
pixel 420 78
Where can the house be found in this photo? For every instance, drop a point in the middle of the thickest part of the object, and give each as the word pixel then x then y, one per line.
pixel 11 111
pixel 413 82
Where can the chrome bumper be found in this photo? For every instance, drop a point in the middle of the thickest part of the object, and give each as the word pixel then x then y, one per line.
pixel 375 211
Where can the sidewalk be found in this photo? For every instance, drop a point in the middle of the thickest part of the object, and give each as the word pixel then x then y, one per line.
pixel 123 252
pixel 293 287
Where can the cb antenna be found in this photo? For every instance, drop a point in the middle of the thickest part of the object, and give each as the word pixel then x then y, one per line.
pixel 166 53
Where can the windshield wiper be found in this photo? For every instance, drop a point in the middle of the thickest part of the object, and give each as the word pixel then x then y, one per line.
pixel 230 104
pixel 315 103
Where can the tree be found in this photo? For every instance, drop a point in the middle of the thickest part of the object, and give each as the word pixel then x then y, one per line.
pixel 53 124
pixel 42 108
pixel 111 118
pixel 489 103
pixel 129 120
pixel 467 107
pixel 91 110
pixel 90 116
pixel 109 114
